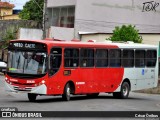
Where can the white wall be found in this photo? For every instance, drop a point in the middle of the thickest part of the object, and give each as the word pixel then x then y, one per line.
pixel 58 3
pixel 62 33
pixel 97 37
pixel 152 39
pixel 31 34
pixel 103 15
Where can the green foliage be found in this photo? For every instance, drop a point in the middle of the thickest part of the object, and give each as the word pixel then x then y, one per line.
pixel 33 10
pixel 126 33
pixel 10 35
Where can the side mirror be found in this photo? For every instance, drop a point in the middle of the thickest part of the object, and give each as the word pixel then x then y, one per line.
pixel 3 55
pixel 3 60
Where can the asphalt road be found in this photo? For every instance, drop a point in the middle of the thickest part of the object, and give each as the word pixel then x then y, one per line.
pixel 104 102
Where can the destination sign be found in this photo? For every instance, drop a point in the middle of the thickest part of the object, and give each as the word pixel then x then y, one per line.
pixel 27 45
pixel 24 45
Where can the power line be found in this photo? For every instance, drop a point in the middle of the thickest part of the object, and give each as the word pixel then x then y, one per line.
pixel 44 18
pixel 38 5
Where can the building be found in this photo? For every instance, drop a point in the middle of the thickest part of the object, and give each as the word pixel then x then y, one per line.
pixel 6 11
pixel 95 19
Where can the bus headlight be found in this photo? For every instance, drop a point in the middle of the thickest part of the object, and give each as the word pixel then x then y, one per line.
pixel 43 82
pixel 7 80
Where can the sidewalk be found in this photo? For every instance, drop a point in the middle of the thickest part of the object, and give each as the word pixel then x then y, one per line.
pixel 2 80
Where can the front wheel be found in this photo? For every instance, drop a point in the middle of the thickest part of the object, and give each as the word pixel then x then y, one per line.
pixel 32 97
pixel 124 93
pixel 67 93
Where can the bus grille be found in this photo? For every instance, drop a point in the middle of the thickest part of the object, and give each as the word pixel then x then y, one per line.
pixel 29 84
pixel 22 89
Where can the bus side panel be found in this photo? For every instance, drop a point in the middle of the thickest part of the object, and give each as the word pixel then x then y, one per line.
pixel 140 78
pixel 94 80
pixel 157 69
pixel 108 79
pixel 55 83
pixel 87 80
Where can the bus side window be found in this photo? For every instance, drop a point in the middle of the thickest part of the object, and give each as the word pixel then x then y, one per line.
pixel 115 57
pixel 71 57
pixel 151 58
pixel 55 60
pixel 140 58
pixel 101 58
pixel 87 57
pixel 128 58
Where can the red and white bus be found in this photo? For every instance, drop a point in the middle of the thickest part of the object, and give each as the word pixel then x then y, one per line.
pixel 45 67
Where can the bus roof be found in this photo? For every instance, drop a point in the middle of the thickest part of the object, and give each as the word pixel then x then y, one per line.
pixel 91 44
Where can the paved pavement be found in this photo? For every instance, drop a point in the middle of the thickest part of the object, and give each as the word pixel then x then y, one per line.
pixel 104 102
pixel 1 80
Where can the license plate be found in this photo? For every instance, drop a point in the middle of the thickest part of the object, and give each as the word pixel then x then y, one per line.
pixel 21 88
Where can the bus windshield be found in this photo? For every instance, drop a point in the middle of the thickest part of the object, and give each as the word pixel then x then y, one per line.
pixel 25 62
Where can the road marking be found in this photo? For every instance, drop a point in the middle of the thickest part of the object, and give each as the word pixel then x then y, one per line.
pixel 1 83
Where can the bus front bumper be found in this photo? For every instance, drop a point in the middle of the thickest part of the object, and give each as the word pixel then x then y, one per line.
pixel 42 89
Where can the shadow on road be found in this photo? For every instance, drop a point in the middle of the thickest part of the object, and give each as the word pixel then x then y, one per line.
pixel 77 98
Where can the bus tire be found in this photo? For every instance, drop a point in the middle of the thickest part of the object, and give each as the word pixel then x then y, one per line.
pixel 92 95
pixel 32 97
pixel 67 92
pixel 124 93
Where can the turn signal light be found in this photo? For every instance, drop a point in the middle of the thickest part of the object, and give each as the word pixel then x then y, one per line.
pixel 38 84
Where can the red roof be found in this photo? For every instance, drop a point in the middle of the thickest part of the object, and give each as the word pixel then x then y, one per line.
pixel 6 5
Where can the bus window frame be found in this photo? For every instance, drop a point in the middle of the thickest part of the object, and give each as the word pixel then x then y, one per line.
pixel 49 62
pixel 150 58
pixel 132 58
pixel 140 58
pixel 109 58
pixel 95 58
pixel 72 57
pixel 80 58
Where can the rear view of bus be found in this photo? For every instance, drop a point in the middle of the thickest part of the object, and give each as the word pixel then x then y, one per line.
pixel 27 68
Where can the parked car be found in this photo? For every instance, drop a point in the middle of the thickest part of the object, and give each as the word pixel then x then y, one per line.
pixel 3 66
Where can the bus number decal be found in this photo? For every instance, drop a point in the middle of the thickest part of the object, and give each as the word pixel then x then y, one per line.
pixel 30 81
pixel 80 83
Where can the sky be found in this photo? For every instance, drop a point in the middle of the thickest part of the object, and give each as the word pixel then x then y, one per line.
pixel 18 3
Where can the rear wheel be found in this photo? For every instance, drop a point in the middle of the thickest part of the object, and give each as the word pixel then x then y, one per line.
pixel 67 92
pixel 124 93
pixel 32 97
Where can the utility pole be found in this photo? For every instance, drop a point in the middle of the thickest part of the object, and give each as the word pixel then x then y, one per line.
pixel 44 19
pixel 0 12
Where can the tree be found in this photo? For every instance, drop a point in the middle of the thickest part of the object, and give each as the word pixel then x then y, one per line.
pixel 33 10
pixel 126 33
pixel 10 35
